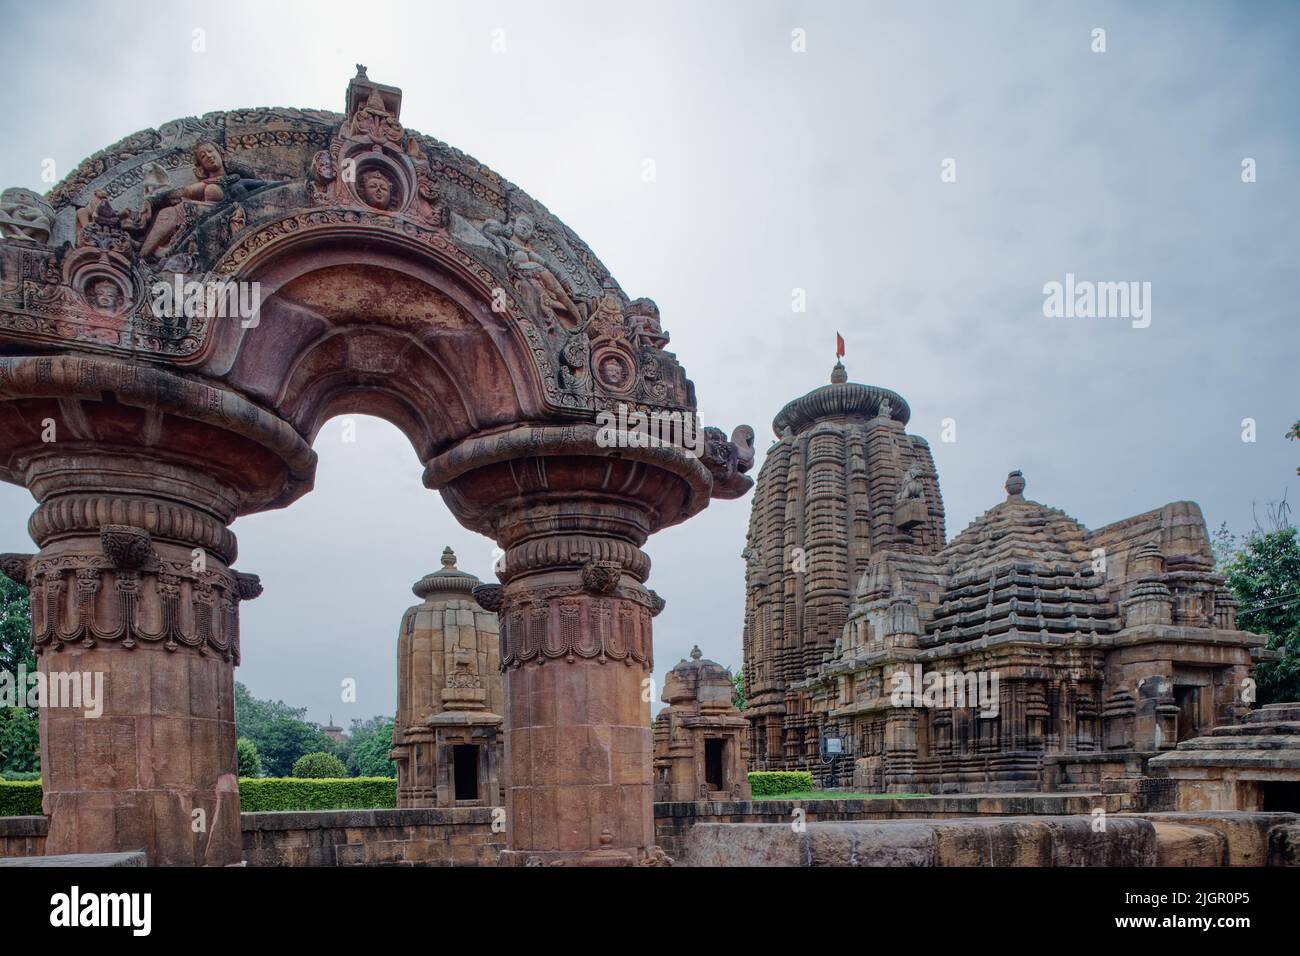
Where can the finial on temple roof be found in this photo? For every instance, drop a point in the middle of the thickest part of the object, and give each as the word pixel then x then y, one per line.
pixel 696 653
pixel 838 375
pixel 1015 486
pixel 361 72
pixel 448 557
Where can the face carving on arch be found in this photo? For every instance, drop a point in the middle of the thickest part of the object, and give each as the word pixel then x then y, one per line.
pixel 104 296
pixel 613 371
pixel 207 160
pixel 376 188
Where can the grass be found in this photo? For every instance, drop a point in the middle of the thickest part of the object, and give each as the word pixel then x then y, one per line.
pixel 840 795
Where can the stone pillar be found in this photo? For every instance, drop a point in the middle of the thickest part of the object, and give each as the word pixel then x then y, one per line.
pixel 899 749
pixel 576 651
pixel 132 587
pixel 574 617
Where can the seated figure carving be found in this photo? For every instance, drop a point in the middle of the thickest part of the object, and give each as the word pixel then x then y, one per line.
pixel 214 183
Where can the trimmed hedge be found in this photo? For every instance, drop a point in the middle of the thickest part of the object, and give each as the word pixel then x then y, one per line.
pixel 317 793
pixel 765 783
pixel 20 798
pixel 23 798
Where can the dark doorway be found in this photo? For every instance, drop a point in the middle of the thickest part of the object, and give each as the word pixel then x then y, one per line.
pixel 713 752
pixel 465 771
pixel 1280 796
pixel 1188 700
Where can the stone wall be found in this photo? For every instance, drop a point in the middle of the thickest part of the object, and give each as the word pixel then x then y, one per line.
pixel 1150 840
pixel 674 820
pixel 427 836
pixel 22 836
pixel 1021 830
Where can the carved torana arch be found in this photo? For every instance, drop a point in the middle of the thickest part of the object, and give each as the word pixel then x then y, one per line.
pixel 180 316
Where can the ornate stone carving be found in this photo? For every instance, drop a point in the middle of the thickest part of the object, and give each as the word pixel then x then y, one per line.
pixel 533 277
pixel 126 546
pixel 729 460
pixel 248 585
pixel 25 216
pixel 488 597
pixel 601 577
pixel 215 182
pixel 909 503
pixel 15 566
pixel 655 856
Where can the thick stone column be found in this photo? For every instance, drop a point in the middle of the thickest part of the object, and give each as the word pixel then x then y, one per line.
pixel 576 653
pixel 575 619
pixel 132 595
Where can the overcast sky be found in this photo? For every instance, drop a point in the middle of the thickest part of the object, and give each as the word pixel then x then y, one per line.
pixel 778 170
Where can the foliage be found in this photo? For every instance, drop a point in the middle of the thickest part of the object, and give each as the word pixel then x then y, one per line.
pixel 20 798
pixel 369 751
pixel 319 766
pixel 767 782
pixel 20 742
pixel 20 775
pixel 839 795
pixel 362 753
pixel 1224 546
pixel 1265 577
pixel 250 761
pixel 255 794
pixel 15 627
pixel 20 746
pixel 288 793
pixel 278 730
pixel 738 689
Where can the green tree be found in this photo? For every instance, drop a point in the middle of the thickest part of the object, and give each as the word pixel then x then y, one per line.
pixel 250 761
pixel 369 753
pixel 1224 547
pixel 738 689
pixel 279 731
pixel 20 746
pixel 318 764
pixel 284 741
pixel 1265 577
pixel 15 627
pixel 360 732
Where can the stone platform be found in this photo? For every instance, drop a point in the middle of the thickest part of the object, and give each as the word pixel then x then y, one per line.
pixel 1229 839
pixel 971 830
pixel 79 860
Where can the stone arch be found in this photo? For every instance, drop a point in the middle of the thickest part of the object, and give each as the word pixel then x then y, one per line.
pixel 385 330
pixel 399 278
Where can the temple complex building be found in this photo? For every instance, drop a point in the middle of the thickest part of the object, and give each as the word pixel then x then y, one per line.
pixel 447 736
pixel 1028 653
pixel 701 740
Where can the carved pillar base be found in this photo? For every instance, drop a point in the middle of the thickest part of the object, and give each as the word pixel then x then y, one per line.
pixel 579 756
pixel 133 598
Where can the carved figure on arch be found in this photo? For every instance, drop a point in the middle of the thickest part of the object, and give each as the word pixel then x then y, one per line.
pixel 514 240
pixel 214 183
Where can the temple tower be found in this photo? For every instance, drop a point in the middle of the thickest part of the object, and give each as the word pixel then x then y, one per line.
pixel 446 739
pixel 842 481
